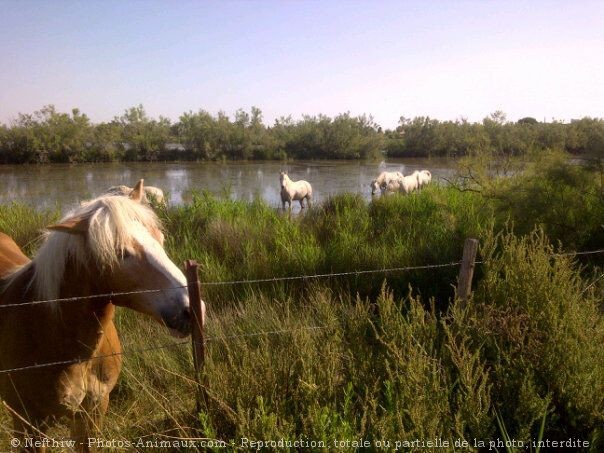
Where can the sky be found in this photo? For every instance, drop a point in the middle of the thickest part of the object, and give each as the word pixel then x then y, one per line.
pixel 447 60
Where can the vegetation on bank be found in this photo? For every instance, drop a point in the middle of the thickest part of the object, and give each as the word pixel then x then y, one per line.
pixel 526 347
pixel 51 136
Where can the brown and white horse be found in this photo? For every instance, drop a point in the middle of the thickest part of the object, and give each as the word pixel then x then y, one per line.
pixel 107 245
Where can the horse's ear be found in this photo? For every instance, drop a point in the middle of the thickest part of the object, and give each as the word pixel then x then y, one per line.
pixel 73 225
pixel 138 191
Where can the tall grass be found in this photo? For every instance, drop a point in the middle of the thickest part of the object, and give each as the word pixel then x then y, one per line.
pixel 25 224
pixel 235 240
pixel 329 366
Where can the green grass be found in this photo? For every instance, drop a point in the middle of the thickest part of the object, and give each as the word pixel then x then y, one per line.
pixel 236 240
pixel 373 356
pixel 25 224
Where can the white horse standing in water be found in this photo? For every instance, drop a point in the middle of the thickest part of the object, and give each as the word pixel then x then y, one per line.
pixel 294 190
pixel 406 184
pixel 424 177
pixel 381 181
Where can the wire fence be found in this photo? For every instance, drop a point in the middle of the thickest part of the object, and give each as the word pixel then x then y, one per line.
pixel 236 282
pixel 272 279
pixel 170 345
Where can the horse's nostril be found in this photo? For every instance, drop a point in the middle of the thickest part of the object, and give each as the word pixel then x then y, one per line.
pixel 186 314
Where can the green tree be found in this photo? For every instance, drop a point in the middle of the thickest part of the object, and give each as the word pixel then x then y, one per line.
pixel 143 138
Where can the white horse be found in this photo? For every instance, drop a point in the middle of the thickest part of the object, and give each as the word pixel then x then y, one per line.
pixel 381 181
pixel 150 193
pixel 294 190
pixel 424 177
pixel 406 184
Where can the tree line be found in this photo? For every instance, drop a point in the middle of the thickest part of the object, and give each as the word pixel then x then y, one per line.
pixel 51 136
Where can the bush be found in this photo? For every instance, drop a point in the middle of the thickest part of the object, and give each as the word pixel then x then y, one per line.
pixel 540 333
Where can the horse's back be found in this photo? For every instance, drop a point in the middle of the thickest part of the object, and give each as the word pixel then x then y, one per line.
pixel 297 190
pixel 11 255
pixel 308 188
pixel 303 189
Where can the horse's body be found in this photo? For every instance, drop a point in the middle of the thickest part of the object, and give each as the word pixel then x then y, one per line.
pixel 110 244
pixel 11 255
pixel 406 184
pixel 151 193
pixel 381 181
pixel 294 190
pixel 156 194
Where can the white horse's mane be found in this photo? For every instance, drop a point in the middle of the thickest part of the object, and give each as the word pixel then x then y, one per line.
pixel 110 221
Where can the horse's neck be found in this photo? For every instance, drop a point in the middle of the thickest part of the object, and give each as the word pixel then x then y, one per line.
pixel 75 325
pixel 286 186
pixel 87 318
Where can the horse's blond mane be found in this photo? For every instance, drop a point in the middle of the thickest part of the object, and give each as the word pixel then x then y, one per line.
pixel 110 222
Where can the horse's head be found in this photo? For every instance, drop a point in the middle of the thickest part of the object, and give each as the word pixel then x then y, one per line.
pixel 120 242
pixel 375 186
pixel 283 178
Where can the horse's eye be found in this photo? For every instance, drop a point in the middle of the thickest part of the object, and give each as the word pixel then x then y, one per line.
pixel 126 254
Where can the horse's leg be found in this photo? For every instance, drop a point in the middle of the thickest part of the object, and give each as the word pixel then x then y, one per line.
pixel 80 430
pixel 103 376
pixel 301 203
pixel 88 421
pixel 82 427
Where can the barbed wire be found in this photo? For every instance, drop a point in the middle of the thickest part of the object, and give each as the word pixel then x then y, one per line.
pixel 331 274
pixel 233 282
pixel 98 357
pixel 93 296
pixel 589 252
pixel 272 279
pixel 155 348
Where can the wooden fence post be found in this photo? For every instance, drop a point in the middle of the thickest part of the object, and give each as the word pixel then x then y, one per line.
pixel 466 271
pixel 197 334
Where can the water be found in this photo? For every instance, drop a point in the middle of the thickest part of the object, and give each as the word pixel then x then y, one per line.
pixel 66 185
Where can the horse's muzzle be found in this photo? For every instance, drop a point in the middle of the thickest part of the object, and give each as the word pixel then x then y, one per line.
pixel 179 324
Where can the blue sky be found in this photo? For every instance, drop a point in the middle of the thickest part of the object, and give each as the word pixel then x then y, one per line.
pixel 445 59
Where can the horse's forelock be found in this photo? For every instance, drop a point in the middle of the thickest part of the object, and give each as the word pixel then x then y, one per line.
pixel 111 226
pixel 109 233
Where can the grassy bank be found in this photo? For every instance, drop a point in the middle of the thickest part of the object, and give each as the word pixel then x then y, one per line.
pixel 527 346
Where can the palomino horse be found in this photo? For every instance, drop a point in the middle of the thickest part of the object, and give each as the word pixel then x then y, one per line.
pixel 107 245
pixel 150 193
pixel 294 190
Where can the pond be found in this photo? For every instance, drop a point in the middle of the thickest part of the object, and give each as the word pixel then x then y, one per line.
pixel 65 185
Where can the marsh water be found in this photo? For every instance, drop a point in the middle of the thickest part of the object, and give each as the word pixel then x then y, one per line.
pixel 49 185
